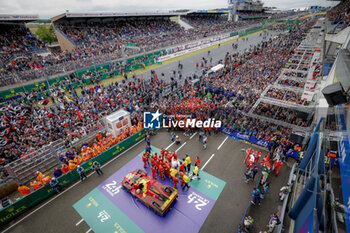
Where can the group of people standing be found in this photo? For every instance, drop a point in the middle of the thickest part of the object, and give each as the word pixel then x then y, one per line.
pixel 167 163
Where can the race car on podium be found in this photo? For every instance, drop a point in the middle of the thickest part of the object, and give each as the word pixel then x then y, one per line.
pixel 150 192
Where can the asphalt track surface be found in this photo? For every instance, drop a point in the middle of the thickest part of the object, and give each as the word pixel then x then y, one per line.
pixel 217 53
pixel 56 214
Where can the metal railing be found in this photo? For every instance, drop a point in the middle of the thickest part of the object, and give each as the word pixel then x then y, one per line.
pixel 286 198
pixel 23 169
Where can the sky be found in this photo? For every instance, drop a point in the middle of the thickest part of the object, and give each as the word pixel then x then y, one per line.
pixel 50 8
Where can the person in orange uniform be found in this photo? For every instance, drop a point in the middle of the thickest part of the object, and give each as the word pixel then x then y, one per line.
pixel 36 184
pixel 46 180
pixel 24 190
pixel 162 152
pixel 152 161
pixel 99 137
pixel 181 177
pixel 114 141
pixel 167 169
pixel 134 130
pixel 65 168
pixel 266 162
pixel 175 156
pixel 72 165
pixel 78 160
pixel 154 173
pixel 175 180
pixel 39 176
pixel 144 159
pixel 139 125
pixel 277 164
pixel 161 171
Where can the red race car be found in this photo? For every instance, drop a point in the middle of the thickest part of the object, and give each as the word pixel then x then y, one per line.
pixel 155 195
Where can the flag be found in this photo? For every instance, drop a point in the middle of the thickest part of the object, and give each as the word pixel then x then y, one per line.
pixel 141 77
pixel 69 100
pixel 44 102
pixel 78 113
pixel 61 105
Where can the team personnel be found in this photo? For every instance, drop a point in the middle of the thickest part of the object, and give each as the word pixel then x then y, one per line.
pixel 173 172
pixel 161 171
pixel 175 180
pixel 277 166
pixel 195 173
pixel 97 167
pixel 197 162
pixel 154 172
pixel 54 183
pixel 188 163
pixel 145 159
pixel 182 178
pixel 81 173
pixel 24 190
pixel 185 179
pixel 256 196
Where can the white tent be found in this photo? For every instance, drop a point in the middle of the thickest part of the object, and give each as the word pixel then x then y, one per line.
pixel 216 68
pixel 117 121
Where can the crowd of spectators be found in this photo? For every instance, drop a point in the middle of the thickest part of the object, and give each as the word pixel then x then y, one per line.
pixel 226 95
pixel 286 96
pixel 292 83
pixel 97 43
pixel 253 14
pixel 276 112
pixel 340 13
pixel 16 41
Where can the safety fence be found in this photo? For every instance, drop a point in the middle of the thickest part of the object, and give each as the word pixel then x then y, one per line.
pixel 22 205
pixel 246 213
pixel 23 169
pixel 248 138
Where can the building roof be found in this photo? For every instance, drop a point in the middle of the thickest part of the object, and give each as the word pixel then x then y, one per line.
pixel 16 18
pixel 111 14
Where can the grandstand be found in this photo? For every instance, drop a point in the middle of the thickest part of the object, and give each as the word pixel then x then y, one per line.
pixel 18 45
pixel 278 87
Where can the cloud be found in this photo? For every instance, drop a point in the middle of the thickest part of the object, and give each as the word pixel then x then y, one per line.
pixel 50 8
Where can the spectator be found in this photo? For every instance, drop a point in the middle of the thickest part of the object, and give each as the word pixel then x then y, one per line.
pixel 57 172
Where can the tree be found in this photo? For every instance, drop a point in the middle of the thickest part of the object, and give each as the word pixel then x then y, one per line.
pixel 46 34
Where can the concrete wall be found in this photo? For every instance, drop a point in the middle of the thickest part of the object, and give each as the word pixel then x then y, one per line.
pixel 340 37
pixel 65 44
pixel 184 24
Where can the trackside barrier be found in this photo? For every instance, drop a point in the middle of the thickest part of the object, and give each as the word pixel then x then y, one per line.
pixel 245 137
pixel 10 93
pixel 249 205
pixel 22 205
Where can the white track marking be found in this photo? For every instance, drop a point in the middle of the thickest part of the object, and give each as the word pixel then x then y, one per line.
pixel 170 146
pixel 69 188
pixel 207 161
pixel 193 135
pixel 79 222
pixel 222 143
pixel 180 147
pixel 88 230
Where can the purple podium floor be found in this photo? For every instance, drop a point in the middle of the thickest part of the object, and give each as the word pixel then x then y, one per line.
pixel 187 214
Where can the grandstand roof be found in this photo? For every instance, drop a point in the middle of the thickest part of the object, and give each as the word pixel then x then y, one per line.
pixel 210 12
pixel 103 14
pixel 9 18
